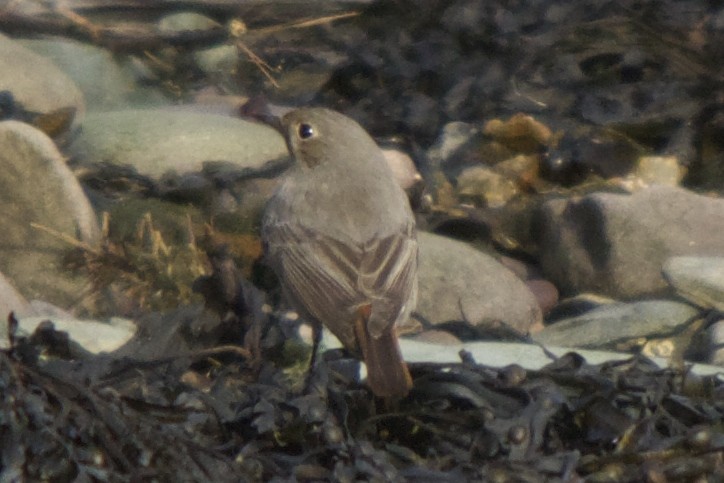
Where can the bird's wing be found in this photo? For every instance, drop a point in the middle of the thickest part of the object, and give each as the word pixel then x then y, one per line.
pixel 388 275
pixel 317 274
pixel 329 279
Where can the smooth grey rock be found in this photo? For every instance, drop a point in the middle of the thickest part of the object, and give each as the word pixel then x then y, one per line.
pixel 36 187
pixel 459 283
pixel 107 82
pixel 698 279
pixel 616 244
pixel 609 325
pixel 36 82
pixel 157 141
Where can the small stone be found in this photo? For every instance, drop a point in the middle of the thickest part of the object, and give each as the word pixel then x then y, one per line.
pixel 659 348
pixel 522 168
pixel 454 136
pixel 403 167
pixel 484 186
pixel 545 293
pixel 521 133
pixel 664 170
pixel 218 60
pixel 185 22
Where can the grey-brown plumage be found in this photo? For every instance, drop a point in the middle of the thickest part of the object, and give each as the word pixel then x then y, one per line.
pixel 340 235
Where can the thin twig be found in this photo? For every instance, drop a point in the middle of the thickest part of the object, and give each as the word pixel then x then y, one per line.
pixel 85 25
pixel 312 22
pixel 265 68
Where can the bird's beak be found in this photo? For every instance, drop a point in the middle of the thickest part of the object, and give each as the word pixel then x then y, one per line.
pixel 258 109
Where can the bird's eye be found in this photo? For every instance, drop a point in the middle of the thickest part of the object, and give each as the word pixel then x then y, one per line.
pixel 306 131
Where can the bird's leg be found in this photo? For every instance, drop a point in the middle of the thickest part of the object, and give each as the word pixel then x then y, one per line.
pixel 316 340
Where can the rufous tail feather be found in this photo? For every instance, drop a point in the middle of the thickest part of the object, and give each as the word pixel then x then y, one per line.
pixel 387 373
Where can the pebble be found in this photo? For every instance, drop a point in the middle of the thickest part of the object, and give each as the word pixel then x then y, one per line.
pixel 664 170
pixel 217 61
pixel 484 186
pixel 545 293
pixel 186 22
pixel 403 168
pixel 455 135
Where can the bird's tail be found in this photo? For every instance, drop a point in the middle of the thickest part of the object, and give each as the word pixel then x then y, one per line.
pixel 387 373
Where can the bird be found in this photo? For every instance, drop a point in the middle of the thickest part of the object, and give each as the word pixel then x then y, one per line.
pixel 340 235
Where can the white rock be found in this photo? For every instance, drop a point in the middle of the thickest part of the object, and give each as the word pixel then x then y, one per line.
pixel 528 356
pixel 94 336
